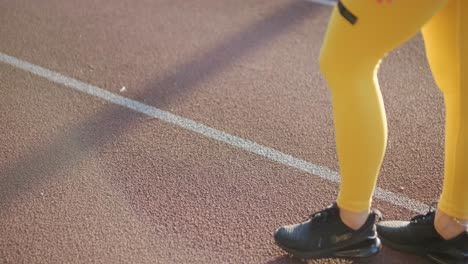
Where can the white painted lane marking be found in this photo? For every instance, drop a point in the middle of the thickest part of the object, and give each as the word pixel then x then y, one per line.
pixel 247 145
pixel 322 2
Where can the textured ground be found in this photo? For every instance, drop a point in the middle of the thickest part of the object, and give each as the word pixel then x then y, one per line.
pixel 83 180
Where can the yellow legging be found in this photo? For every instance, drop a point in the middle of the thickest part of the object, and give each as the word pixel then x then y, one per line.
pixel 360 34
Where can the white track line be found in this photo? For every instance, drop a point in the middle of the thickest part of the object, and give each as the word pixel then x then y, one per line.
pixel 247 145
pixel 322 2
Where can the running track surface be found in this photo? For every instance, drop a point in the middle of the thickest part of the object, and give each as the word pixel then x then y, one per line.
pixel 84 180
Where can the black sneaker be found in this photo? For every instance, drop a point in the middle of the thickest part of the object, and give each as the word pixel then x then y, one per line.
pixel 324 235
pixel 419 236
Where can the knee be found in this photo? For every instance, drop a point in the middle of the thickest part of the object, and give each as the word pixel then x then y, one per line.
pixel 335 71
pixel 346 69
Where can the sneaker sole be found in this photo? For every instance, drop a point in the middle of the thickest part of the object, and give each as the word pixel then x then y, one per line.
pixel 364 249
pixel 436 258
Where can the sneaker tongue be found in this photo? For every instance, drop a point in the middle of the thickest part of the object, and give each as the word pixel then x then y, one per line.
pixel 324 214
pixel 378 215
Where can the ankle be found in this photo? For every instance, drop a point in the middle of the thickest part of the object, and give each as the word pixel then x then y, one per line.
pixel 352 219
pixel 447 226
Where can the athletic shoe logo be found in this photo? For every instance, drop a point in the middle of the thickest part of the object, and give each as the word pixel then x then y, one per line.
pixel 343 237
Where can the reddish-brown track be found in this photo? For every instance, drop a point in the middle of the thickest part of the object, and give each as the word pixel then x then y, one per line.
pixel 82 180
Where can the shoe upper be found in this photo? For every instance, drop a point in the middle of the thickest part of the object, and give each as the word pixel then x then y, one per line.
pixel 419 235
pixel 419 229
pixel 324 229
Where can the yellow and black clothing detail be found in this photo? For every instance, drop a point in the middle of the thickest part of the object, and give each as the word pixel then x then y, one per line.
pixel 360 34
pixel 346 13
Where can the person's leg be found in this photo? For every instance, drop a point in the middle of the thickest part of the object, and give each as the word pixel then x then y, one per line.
pixel 446 39
pixel 360 33
pixel 438 234
pixel 349 60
